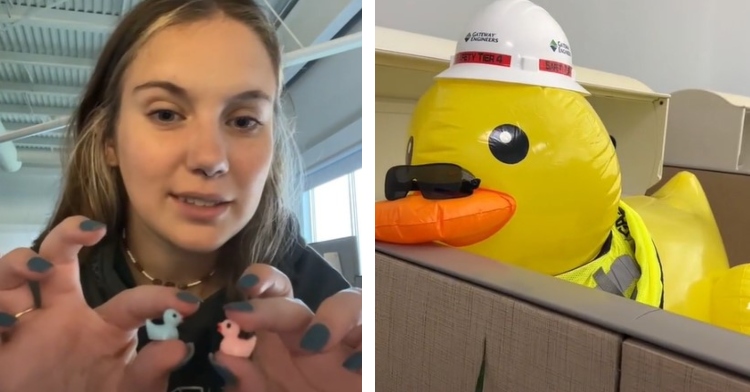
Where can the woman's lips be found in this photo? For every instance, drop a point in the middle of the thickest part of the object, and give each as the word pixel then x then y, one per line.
pixel 199 209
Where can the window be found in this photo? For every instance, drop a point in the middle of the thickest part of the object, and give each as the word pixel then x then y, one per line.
pixel 329 210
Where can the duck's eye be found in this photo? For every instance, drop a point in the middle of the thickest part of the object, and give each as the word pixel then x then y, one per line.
pixel 508 143
pixel 229 325
pixel 174 315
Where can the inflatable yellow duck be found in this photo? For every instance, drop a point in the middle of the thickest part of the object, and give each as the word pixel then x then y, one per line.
pixel 508 160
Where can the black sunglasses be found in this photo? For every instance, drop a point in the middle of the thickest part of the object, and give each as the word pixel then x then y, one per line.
pixel 435 181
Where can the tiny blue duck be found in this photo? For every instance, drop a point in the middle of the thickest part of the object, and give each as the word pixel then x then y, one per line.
pixel 166 328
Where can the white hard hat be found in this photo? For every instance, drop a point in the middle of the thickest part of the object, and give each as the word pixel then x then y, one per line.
pixel 515 41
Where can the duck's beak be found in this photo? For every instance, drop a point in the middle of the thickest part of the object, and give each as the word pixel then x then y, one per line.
pixel 456 222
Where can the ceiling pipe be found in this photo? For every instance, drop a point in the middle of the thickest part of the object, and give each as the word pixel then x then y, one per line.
pixel 34 130
pixel 325 49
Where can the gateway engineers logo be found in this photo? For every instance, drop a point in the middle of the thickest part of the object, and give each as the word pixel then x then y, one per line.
pixel 560 47
pixel 480 36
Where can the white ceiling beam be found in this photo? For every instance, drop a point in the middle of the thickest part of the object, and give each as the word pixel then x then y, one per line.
pixel 325 49
pixel 70 20
pixel 39 89
pixel 46 60
pixel 37 110
pixel 330 17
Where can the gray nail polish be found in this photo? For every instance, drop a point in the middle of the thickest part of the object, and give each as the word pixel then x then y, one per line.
pixel 354 362
pixel 7 320
pixel 188 356
pixel 247 281
pixel 227 375
pixel 188 297
pixel 315 338
pixel 38 264
pixel 240 306
pixel 91 225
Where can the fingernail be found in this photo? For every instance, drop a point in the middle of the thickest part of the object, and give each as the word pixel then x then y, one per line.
pixel 315 338
pixel 240 306
pixel 188 356
pixel 38 264
pixel 91 225
pixel 188 297
pixel 7 320
pixel 354 362
pixel 247 281
pixel 227 375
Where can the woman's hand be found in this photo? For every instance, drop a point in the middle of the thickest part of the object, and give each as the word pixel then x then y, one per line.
pixel 66 346
pixel 297 350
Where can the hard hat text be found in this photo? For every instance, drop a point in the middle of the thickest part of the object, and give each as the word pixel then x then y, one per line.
pixel 489 58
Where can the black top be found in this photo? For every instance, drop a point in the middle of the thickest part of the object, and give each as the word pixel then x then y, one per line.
pixel 313 280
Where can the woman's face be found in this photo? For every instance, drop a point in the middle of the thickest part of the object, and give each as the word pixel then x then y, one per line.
pixel 194 137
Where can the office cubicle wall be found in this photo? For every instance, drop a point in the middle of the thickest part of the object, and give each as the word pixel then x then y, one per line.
pixel 442 313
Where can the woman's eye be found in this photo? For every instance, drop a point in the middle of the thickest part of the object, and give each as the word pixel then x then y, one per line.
pixel 164 115
pixel 245 123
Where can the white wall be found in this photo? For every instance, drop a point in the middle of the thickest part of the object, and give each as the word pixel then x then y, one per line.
pixel 17 236
pixel 667 44
pixel 27 198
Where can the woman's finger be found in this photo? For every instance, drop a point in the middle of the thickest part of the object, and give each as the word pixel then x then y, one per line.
pixel 19 269
pixel 60 247
pixel 354 362
pixel 9 319
pixel 332 371
pixel 337 316
pixel 239 374
pixel 263 281
pixel 353 339
pixel 20 266
pixel 280 315
pixel 65 240
pixel 131 308
pixel 150 370
pixel 12 312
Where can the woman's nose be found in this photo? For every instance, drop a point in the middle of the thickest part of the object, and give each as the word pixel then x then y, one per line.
pixel 207 151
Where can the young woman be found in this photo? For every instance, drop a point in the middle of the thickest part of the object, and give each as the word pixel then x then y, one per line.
pixel 175 196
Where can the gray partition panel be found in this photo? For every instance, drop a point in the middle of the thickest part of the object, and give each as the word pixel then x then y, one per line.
pixel 723 348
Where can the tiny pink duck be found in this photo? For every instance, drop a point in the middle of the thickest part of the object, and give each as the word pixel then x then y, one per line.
pixel 236 342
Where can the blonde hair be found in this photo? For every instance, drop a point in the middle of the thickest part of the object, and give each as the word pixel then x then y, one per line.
pixel 95 190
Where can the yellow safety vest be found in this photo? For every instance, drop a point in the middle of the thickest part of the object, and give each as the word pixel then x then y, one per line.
pixel 630 268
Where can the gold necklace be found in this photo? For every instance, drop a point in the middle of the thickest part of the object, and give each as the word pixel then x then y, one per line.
pixel 160 282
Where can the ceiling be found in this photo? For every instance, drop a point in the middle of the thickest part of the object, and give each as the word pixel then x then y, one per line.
pixel 48 47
